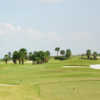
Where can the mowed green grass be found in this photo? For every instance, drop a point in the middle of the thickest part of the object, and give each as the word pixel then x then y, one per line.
pixel 50 81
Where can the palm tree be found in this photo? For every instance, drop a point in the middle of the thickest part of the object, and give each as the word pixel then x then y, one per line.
pixel 68 53
pixel 57 49
pixel 46 56
pixel 62 52
pixel 38 60
pixel 6 58
pixel 95 55
pixel 15 57
pixel 40 57
pixel 88 53
pixel 19 57
pixel 48 53
pixel 22 54
pixel 33 58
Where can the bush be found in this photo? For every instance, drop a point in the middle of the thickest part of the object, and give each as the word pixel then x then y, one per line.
pixel 60 58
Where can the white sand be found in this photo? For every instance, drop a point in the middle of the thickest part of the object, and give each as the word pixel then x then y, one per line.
pixel 95 66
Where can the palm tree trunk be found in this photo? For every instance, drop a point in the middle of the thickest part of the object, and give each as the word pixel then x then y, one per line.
pixel 6 61
pixel 57 53
pixel 88 57
pixel 19 61
pixel 22 61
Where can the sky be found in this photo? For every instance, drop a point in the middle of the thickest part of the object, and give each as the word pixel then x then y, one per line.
pixel 46 24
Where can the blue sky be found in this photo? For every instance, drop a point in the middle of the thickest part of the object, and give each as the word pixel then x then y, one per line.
pixel 45 24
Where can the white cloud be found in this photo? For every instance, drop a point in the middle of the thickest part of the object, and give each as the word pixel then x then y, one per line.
pixel 8 29
pixel 51 1
pixel 18 32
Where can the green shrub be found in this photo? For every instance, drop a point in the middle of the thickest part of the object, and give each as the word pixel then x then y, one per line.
pixel 60 58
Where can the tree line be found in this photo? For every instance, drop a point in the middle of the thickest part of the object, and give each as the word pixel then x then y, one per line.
pixel 64 54
pixel 39 57
pixel 90 55
pixel 21 55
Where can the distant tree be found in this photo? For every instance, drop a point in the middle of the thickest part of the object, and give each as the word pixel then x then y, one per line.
pixel 19 57
pixel 9 55
pixel 6 58
pixel 68 53
pixel 57 49
pixel 95 55
pixel 30 56
pixel 15 57
pixel 88 53
pixel 40 57
pixel 46 56
pixel 38 60
pixel 33 58
pixel 48 53
pixel 62 52
pixel 22 55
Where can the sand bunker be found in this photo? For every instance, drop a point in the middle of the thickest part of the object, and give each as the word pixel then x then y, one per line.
pixel 95 66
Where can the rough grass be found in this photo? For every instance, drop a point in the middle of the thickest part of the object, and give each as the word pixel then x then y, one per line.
pixel 50 81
